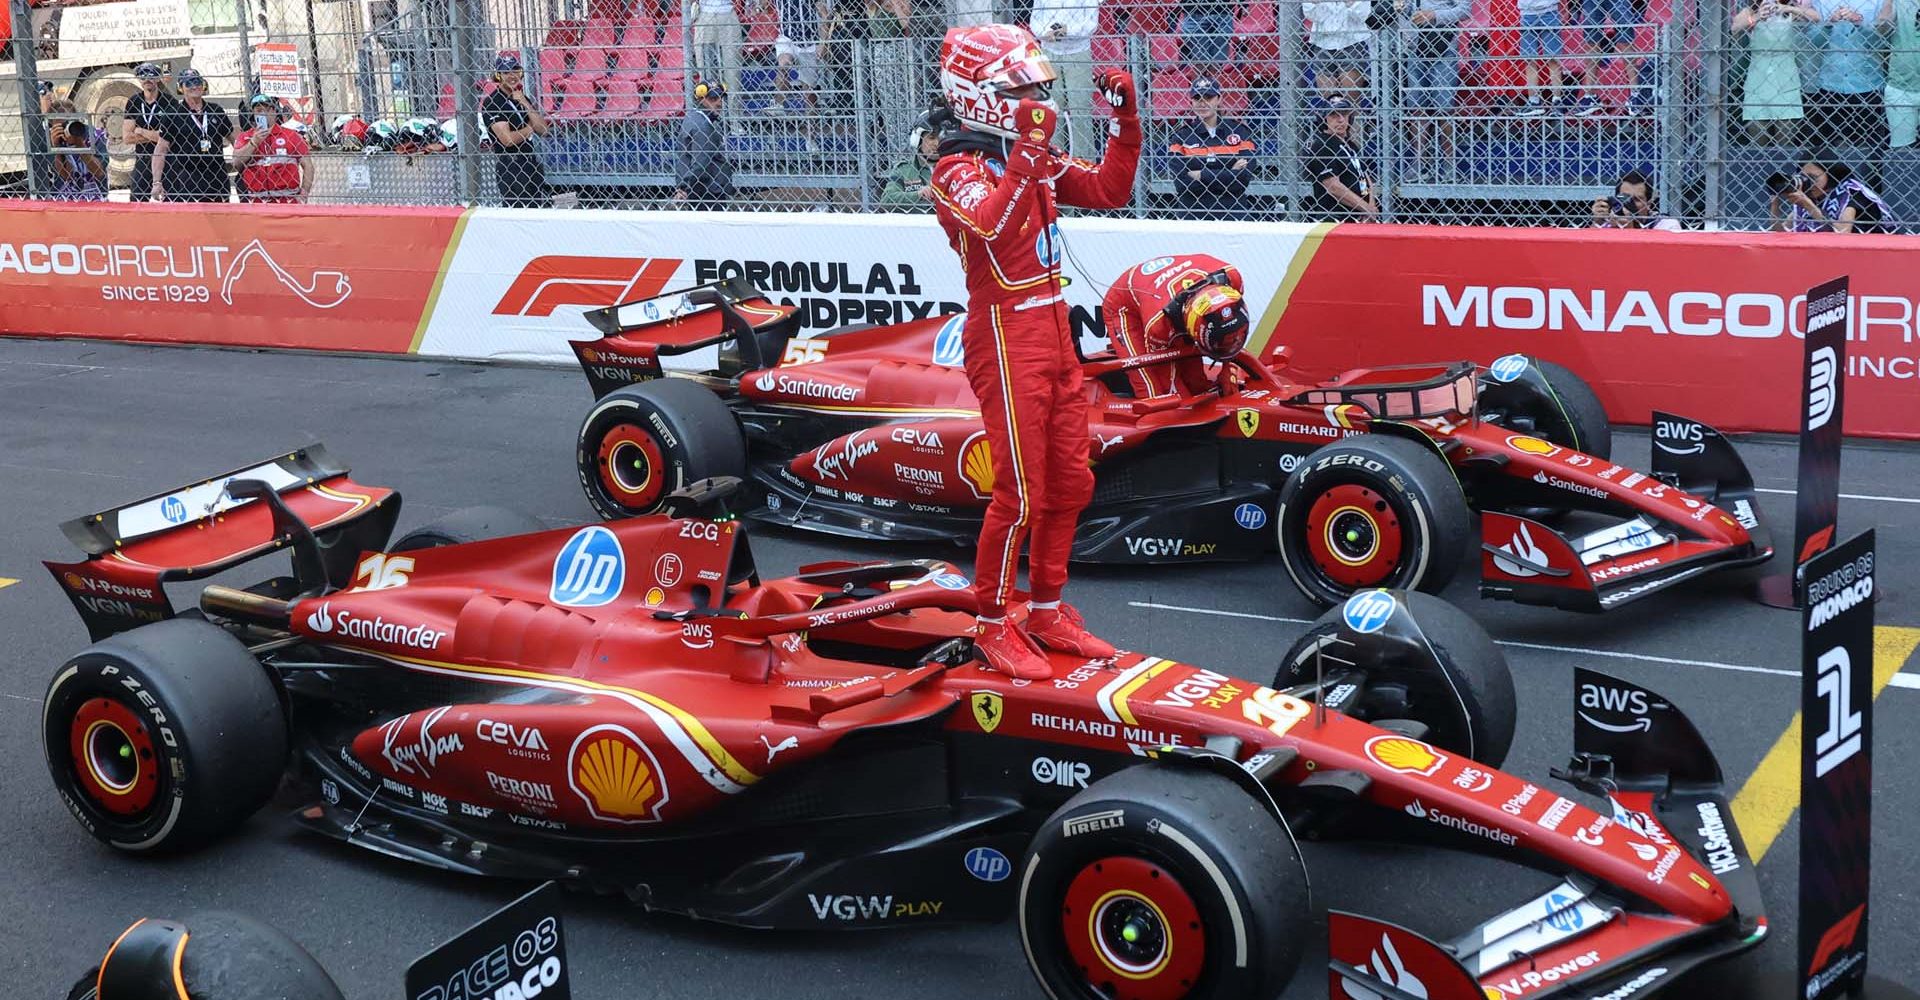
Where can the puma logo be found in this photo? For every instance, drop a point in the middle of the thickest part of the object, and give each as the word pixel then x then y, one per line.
pixel 774 748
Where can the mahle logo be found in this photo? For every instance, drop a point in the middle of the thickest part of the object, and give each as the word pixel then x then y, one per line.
pixel 590 569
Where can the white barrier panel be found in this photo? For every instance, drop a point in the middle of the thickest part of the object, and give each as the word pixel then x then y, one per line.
pixel 518 280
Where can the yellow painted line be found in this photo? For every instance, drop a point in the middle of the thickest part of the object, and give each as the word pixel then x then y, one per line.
pixel 1772 793
pixel 7 581
pixel 440 280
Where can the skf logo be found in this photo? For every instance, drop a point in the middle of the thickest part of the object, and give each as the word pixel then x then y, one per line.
pixel 986 710
pixel 1822 388
pixel 555 280
pixel 1248 422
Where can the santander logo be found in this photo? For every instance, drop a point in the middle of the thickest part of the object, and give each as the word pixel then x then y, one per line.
pixel 321 621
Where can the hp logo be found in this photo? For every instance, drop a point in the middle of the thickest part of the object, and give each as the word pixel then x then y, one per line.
pixel 1047 247
pixel 1564 914
pixel 1368 610
pixel 173 510
pixel 951 581
pixel 988 865
pixel 948 349
pixel 590 569
pixel 1155 266
pixel 1508 368
pixel 1250 516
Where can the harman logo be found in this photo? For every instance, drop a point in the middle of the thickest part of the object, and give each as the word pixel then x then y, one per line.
pixel 551 281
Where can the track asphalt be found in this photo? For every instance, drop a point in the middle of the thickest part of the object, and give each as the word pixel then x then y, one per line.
pixel 85 426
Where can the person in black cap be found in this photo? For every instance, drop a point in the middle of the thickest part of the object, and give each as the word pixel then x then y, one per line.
pixel 197 133
pixel 1341 187
pixel 1212 157
pixel 147 113
pixel 513 119
pixel 704 175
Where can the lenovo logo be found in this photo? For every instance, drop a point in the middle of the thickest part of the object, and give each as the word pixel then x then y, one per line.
pixel 555 280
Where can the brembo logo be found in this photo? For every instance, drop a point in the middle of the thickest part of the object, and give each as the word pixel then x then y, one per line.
pixel 554 280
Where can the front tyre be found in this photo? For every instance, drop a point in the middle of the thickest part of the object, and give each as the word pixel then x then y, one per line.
pixel 1372 511
pixel 164 737
pixel 641 443
pixel 1163 883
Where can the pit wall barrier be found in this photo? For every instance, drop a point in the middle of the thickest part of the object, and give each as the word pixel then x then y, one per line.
pixel 1703 324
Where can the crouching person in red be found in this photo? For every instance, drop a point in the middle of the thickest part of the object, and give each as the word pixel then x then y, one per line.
pixel 997 188
pixel 271 158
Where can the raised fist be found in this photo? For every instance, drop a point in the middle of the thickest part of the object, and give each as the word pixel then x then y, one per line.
pixel 1035 122
pixel 1117 87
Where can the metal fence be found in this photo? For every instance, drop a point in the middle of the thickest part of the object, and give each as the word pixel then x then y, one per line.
pixel 1456 111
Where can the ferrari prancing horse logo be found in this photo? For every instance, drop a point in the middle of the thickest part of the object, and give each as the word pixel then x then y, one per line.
pixel 1249 421
pixel 986 710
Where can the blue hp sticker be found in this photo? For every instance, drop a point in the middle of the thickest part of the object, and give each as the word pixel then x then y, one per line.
pixel 1564 913
pixel 590 569
pixel 1250 516
pixel 173 510
pixel 1508 368
pixel 651 309
pixel 988 865
pixel 1047 247
pixel 1155 265
pixel 948 349
pixel 1368 610
pixel 951 581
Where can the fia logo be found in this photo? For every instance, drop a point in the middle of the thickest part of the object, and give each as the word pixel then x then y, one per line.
pixel 1368 611
pixel 1508 368
pixel 590 569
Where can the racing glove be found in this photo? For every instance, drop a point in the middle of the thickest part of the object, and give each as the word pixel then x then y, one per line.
pixel 1032 153
pixel 1116 85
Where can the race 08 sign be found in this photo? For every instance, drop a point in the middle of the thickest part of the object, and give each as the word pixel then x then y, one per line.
pixel 518 953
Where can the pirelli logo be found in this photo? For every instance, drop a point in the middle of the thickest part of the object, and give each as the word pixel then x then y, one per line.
pixel 1093 822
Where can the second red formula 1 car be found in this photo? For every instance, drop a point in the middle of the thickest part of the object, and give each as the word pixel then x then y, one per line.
pixel 1365 480
pixel 632 707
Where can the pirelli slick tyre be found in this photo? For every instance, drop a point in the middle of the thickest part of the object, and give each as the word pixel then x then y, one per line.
pixel 1163 883
pixel 1426 660
pixel 469 524
pixel 211 956
pixel 1558 406
pixel 1372 511
pixel 643 442
pixel 165 737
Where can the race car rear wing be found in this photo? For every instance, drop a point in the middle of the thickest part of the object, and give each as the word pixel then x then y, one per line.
pixel 215 524
pixel 723 328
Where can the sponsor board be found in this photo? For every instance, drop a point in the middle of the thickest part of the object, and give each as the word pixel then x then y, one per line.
pixel 518 951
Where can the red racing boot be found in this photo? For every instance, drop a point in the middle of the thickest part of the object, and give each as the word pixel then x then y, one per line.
pixel 1006 648
pixel 1059 627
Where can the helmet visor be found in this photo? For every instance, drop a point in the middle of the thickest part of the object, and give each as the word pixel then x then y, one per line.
pixel 1034 68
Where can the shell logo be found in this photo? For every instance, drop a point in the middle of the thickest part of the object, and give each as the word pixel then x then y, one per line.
pixel 1407 756
pixel 1532 445
pixel 616 775
pixel 976 465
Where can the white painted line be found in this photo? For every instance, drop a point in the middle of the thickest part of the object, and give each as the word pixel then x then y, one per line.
pixel 1903 680
pixel 1845 496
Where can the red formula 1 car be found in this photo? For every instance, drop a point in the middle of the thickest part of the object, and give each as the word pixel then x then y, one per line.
pixel 632 707
pixel 1365 480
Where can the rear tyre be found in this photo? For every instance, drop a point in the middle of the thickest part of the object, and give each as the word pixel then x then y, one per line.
pixel 470 524
pixel 641 443
pixel 1445 672
pixel 1372 511
pixel 165 737
pixel 1163 883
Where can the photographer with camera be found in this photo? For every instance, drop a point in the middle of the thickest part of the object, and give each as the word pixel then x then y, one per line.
pixel 79 171
pixel 1823 196
pixel 271 158
pixel 1632 206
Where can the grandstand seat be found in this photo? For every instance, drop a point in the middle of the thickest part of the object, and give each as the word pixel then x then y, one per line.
pixel 592 64
pixel 600 33
pixel 624 95
pixel 563 35
pixel 1167 92
pixel 1163 50
pixel 1109 51
pixel 762 24
pixel 640 30
pixel 555 63
pixel 575 97
pixel 669 57
pixel 667 99
pixel 672 34
pixel 1152 17
pixel 632 58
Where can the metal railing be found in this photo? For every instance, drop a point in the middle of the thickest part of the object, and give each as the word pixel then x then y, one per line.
pixel 1454 119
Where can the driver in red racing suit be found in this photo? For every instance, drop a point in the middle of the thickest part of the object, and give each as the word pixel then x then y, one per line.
pixel 996 190
pixel 1168 301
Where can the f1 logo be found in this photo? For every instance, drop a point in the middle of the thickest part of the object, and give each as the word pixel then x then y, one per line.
pixel 554 280
pixel 1821 379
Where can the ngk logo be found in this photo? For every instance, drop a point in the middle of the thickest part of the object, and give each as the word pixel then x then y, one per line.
pixel 554 280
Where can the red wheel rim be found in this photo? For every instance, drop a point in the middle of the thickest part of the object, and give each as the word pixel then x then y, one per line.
pixel 113 755
pixel 1133 931
pixel 632 470
pixel 1354 536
